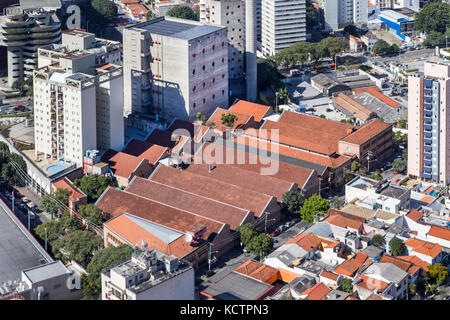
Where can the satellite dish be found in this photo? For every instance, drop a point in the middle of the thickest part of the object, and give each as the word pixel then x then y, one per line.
pixel 188 237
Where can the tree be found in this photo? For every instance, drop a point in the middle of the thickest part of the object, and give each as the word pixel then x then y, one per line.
pixel 19 85
pixel 311 15
pixel 399 165
pixel 381 47
pixel 438 272
pixel 405 154
pixel 56 202
pixel 434 38
pixel 346 285
pixel 69 222
pixel 103 259
pixel 228 119
pixel 338 202
pixel 14 167
pixel 91 213
pixel 260 245
pixel 150 15
pixel 182 12
pixel 54 230
pixel 105 8
pixel 268 77
pixel 350 29
pixel 247 232
pixel 331 46
pixel 78 245
pixel 293 200
pixel 93 186
pixel 355 166
pixel 435 16
pixel 376 175
pixel 313 207
pixel 397 246
pixel 283 94
pixel 378 240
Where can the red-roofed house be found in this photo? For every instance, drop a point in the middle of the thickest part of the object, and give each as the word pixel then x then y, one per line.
pixel 439 235
pixel 259 271
pixel 317 292
pixel 412 269
pixel 258 111
pixel 330 279
pixel 429 252
pixel 76 197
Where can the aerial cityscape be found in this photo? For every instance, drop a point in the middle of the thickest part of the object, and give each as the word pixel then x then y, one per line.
pixel 252 150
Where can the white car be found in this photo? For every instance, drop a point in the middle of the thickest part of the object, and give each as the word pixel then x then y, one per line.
pixel 30 205
pixel 25 200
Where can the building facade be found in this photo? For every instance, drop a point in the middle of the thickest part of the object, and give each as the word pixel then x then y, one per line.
pixel 22 31
pixel 175 68
pixel 231 14
pixel 78 98
pixel 340 13
pixel 428 129
pixel 283 24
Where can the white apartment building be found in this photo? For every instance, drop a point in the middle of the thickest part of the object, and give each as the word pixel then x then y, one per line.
pixel 340 13
pixel 283 24
pixel 149 275
pixel 428 123
pixel 230 14
pixel 175 68
pixel 78 99
pixel 410 4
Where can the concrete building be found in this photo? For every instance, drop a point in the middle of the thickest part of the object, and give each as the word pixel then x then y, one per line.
pixel 230 14
pixel 428 129
pixel 410 4
pixel 22 31
pixel 283 24
pixel 78 98
pixel 149 275
pixel 399 22
pixel 340 13
pixel 175 68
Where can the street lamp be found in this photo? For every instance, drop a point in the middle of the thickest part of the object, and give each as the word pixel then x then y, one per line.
pixel 265 222
pixel 209 255
pixel 276 101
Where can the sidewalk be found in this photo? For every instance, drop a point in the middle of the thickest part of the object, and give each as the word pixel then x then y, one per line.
pixel 36 200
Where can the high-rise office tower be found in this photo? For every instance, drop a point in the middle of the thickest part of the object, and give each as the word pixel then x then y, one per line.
pixel 78 97
pixel 175 68
pixel 429 123
pixel 283 24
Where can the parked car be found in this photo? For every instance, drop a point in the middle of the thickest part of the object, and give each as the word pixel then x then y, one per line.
pixel 281 228
pixel 275 233
pixel 25 200
pixel 30 205
pixel 290 223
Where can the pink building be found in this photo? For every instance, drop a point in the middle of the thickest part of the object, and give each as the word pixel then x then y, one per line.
pixel 428 123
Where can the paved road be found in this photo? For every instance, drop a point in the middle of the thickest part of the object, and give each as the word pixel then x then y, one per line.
pixel 16 251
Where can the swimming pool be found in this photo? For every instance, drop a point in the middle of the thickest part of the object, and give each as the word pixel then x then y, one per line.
pixel 433 193
pixel 55 168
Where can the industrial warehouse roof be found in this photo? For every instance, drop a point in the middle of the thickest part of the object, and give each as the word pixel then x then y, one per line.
pixel 46 271
pixel 366 132
pixel 236 286
pixel 176 28
pixel 188 201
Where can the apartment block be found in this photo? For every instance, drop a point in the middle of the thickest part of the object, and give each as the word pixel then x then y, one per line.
pixel 78 98
pixel 175 68
pixel 231 14
pixel 22 32
pixel 283 24
pixel 428 118
pixel 340 13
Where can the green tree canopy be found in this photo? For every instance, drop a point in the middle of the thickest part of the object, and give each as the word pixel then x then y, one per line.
pixel 293 200
pixel 376 175
pixel 183 12
pixel 313 207
pixel 247 232
pixel 91 213
pixel 268 77
pixel 102 259
pixel 338 202
pixel 355 166
pixel 56 202
pixel 346 285
pixel 54 230
pixel 397 246
pixel 105 8
pixel 435 16
pixel 438 272
pixel 228 119
pixel 14 167
pixel 260 245
pixel 78 245
pixel 434 38
pixel 399 164
pixel 350 29
pixel 378 240
pixel 311 15
pixel 150 15
pixel 93 185
pixel 381 47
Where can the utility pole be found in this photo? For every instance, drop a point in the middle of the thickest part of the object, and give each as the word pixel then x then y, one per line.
pixel 13 200
pixel 45 229
pixel 28 220
pixel 276 102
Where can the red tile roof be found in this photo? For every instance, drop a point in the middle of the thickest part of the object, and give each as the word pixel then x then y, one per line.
pixel 146 150
pixel 400 263
pixel 122 164
pixel 416 261
pixel 241 121
pixel 191 130
pixel 162 138
pixel 348 267
pixel 258 271
pixel 316 292
pixel 440 232
pixel 137 9
pixel 184 200
pixel 414 215
pixel 366 132
pixel 329 275
pixel 427 199
pixel 64 183
pixel 371 284
pixel 361 257
pixel 114 202
pixel 424 247
pixel 309 241
pixel 258 111
pixel 343 222
pixel 220 191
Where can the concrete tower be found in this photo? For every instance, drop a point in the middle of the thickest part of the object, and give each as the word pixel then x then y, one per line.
pixel 250 48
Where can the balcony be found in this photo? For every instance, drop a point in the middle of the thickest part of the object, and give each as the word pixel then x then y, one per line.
pixel 427 148
pixel 425 175
pixel 427 113
pixel 427 162
pixel 427 169
pixel 427 141
pixel 427 134
pixel 427 99
pixel 427 155
pixel 427 92
pixel 428 83
pixel 427 106
pixel 427 120
pixel 427 127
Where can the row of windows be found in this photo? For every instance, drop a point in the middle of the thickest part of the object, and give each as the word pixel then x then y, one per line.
pixel 194 105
